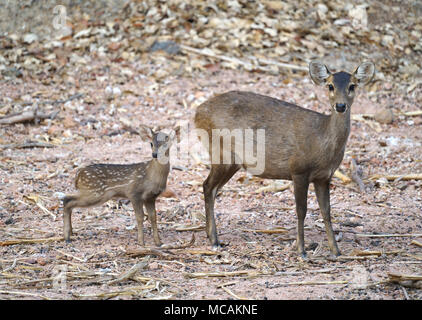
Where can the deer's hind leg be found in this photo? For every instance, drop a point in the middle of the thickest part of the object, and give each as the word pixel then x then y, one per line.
pixel 77 201
pixel 219 175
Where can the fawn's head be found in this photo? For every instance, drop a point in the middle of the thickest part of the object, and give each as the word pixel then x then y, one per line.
pixel 160 142
pixel 341 85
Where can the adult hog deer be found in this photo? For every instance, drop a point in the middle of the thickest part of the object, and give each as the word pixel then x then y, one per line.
pixel 300 144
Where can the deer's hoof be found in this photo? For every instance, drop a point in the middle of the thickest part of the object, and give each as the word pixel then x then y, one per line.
pixel 216 247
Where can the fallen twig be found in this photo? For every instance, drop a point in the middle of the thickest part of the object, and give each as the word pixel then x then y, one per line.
pixel 205 252
pixel 35 114
pixel 365 253
pixel 128 291
pixel 21 293
pixel 406 280
pixel 372 124
pixel 190 228
pixel 25 116
pixel 269 231
pixel 416 243
pixel 416 176
pixel 412 113
pixel 28 144
pixel 29 241
pixel 387 235
pixel 342 177
pixel 180 246
pixel 310 283
pixel 233 294
pixel 400 277
pixel 275 186
pixel 217 274
pixel 248 65
pixel 131 272
pixel 158 251
pixel 37 200
pixel 224 287
pixel 149 251
pixel 69 255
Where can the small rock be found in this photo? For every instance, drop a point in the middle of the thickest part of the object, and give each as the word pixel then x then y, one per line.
pixel 153 266
pixel 29 38
pixel 10 221
pixel 402 186
pixel 42 261
pixel 384 116
pixel 68 122
pixel 117 91
pixel 59 195
pixel 108 90
pixel 31 261
pixel 387 40
pixel 170 47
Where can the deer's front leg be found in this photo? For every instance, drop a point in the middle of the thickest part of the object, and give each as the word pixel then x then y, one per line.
pixel 152 216
pixel 139 213
pixel 322 190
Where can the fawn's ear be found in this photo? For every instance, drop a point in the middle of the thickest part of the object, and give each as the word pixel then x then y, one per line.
pixel 318 72
pixel 146 133
pixel 364 73
pixel 175 133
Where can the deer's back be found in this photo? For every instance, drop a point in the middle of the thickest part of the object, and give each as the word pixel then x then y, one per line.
pixel 102 177
pixel 293 135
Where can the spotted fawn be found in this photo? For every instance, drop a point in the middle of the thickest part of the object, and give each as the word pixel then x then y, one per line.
pixel 141 183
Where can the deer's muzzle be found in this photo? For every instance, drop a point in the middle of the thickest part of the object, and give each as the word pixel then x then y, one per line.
pixel 340 107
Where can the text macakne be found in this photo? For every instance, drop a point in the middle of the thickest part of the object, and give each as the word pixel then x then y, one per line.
pixel 223 309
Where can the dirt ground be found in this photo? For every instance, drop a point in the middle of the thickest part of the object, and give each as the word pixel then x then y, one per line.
pixel 100 102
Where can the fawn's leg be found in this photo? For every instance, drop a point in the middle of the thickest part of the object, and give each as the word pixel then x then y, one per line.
pixel 152 216
pixel 301 185
pixel 67 223
pixel 322 190
pixel 77 201
pixel 139 213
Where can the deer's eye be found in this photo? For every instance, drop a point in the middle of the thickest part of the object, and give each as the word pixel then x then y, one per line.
pixel 150 144
pixel 330 87
pixel 352 88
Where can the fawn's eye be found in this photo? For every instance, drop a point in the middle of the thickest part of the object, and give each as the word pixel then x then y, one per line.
pixel 352 88
pixel 330 87
pixel 150 144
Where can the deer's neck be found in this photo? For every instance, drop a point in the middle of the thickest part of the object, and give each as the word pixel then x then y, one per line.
pixel 338 130
pixel 158 170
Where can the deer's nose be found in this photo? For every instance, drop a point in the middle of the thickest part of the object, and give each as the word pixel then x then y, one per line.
pixel 340 107
pixel 154 155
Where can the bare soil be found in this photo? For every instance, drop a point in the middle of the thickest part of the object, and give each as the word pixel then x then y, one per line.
pixel 104 234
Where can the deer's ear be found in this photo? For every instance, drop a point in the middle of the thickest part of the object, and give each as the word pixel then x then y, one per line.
pixel 318 72
pixel 364 73
pixel 145 133
pixel 175 133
